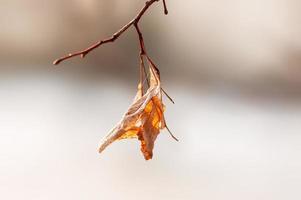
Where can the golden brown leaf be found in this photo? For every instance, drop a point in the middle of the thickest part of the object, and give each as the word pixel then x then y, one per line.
pixel 143 120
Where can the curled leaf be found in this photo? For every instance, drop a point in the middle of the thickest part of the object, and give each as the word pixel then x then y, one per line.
pixel 143 120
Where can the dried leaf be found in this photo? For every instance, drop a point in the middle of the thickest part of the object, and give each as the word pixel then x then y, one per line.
pixel 144 118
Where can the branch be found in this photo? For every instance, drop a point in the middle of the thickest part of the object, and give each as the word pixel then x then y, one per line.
pixel 165 8
pixel 134 22
pixel 115 36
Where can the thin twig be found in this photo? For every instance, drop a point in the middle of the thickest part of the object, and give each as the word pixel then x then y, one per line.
pixel 165 8
pixel 115 36
pixel 144 53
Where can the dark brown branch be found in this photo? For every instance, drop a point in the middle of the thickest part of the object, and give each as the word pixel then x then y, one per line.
pixel 165 8
pixel 94 46
pixel 115 36
pixel 141 40
pixel 142 66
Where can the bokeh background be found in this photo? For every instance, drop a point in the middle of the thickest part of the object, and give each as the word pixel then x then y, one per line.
pixel 232 67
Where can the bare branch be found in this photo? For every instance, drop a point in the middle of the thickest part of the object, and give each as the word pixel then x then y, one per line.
pixel 83 53
pixel 165 8
pixel 115 36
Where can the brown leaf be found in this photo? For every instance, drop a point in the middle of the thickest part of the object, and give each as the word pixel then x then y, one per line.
pixel 143 120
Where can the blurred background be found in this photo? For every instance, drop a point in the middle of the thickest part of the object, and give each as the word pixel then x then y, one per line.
pixel 232 67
